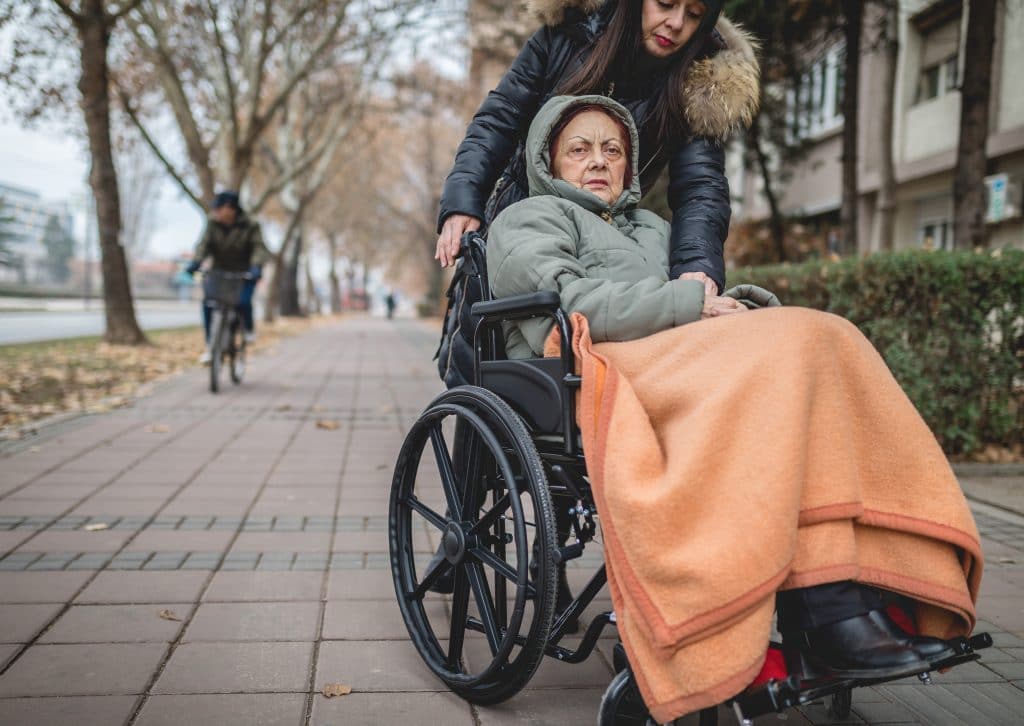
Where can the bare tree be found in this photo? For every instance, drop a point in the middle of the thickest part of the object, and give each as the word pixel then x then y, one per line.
pixel 87 26
pixel 853 26
pixel 886 200
pixel 227 70
pixel 971 159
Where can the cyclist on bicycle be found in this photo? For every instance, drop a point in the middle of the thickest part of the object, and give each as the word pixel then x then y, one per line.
pixel 235 243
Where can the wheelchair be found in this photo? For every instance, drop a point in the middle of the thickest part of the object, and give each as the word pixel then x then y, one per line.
pixel 504 487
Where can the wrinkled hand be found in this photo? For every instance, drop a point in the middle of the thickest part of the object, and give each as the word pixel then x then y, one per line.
pixel 448 242
pixel 715 306
pixel 710 286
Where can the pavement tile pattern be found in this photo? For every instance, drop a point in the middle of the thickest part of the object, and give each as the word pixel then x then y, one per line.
pixel 219 559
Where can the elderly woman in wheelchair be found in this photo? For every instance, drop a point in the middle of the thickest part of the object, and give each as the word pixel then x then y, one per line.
pixel 741 462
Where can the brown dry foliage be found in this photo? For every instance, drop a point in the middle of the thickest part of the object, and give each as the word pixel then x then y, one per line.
pixel 40 380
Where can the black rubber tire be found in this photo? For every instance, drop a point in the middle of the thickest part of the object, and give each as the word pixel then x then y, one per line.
pixel 237 353
pixel 505 449
pixel 622 705
pixel 216 343
pixel 840 704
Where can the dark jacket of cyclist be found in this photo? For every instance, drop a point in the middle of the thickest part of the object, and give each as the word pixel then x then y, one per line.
pixel 234 242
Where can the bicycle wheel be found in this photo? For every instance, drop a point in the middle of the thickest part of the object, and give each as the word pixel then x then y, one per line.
pixel 216 347
pixel 237 351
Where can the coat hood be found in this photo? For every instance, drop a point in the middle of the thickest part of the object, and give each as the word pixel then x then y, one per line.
pixel 722 91
pixel 538 156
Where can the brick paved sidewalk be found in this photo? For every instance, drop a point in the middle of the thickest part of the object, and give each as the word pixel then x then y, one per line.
pixel 261 538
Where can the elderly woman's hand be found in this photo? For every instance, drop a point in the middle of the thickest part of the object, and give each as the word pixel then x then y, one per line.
pixel 710 286
pixel 455 225
pixel 714 306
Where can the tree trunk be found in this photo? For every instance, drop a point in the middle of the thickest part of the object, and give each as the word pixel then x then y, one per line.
pixel 853 21
pixel 274 288
pixel 886 203
pixel 312 299
pixel 971 160
pixel 94 33
pixel 776 222
pixel 290 278
pixel 332 243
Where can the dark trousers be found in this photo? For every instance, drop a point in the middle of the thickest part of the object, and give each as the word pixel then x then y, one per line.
pixel 812 607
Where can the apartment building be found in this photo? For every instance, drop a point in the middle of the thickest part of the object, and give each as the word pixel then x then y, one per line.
pixel 925 132
pixel 29 214
pixel 926 123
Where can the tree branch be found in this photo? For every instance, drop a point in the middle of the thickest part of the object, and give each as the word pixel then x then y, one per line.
pixel 65 7
pixel 147 137
pixel 225 67
pixel 118 14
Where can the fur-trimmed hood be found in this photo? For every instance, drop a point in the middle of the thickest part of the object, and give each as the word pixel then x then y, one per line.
pixel 723 92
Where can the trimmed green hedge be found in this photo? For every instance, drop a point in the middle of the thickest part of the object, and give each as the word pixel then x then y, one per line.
pixel 950 325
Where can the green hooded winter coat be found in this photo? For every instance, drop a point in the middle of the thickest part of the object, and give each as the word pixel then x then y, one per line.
pixel 613 272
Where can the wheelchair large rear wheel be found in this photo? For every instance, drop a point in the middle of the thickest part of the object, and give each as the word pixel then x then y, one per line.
pixel 472 512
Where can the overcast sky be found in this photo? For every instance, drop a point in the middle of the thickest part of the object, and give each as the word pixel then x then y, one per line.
pixel 51 160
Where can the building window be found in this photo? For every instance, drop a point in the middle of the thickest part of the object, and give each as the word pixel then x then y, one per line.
pixel 940 52
pixel 815 105
pixel 936 235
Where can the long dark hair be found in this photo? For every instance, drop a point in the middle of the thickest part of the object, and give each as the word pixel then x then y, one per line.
pixel 621 46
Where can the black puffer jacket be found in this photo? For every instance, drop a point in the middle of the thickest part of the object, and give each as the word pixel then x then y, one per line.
pixel 722 89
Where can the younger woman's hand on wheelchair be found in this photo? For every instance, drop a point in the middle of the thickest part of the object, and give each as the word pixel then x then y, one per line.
pixel 455 225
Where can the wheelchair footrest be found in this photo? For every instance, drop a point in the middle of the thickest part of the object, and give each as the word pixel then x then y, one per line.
pixel 797 688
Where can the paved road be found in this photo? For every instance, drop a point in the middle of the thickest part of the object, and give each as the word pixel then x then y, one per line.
pixel 28 327
pixel 262 537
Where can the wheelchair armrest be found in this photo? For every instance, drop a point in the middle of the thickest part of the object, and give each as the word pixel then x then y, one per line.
pixel 518 307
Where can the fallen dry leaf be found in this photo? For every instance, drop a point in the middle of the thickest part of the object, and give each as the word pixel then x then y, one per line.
pixel 97 527
pixel 327 424
pixel 284 407
pixel 158 429
pixel 169 615
pixel 332 690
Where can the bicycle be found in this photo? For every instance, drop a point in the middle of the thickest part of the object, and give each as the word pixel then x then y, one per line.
pixel 227 339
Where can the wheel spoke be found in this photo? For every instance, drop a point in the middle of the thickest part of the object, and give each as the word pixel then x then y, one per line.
pixel 427 582
pixel 500 566
pixel 473 452
pixel 493 515
pixel 460 609
pixel 447 472
pixel 484 604
pixel 427 513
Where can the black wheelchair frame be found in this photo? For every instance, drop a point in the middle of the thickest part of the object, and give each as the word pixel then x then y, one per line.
pixel 510 442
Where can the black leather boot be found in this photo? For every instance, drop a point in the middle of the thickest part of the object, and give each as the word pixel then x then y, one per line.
pixel 864 646
pixel 933 650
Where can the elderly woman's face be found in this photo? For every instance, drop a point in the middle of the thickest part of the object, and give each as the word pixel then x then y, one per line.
pixel 590 154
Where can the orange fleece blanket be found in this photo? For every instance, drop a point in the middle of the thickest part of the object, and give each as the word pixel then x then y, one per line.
pixel 741 455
